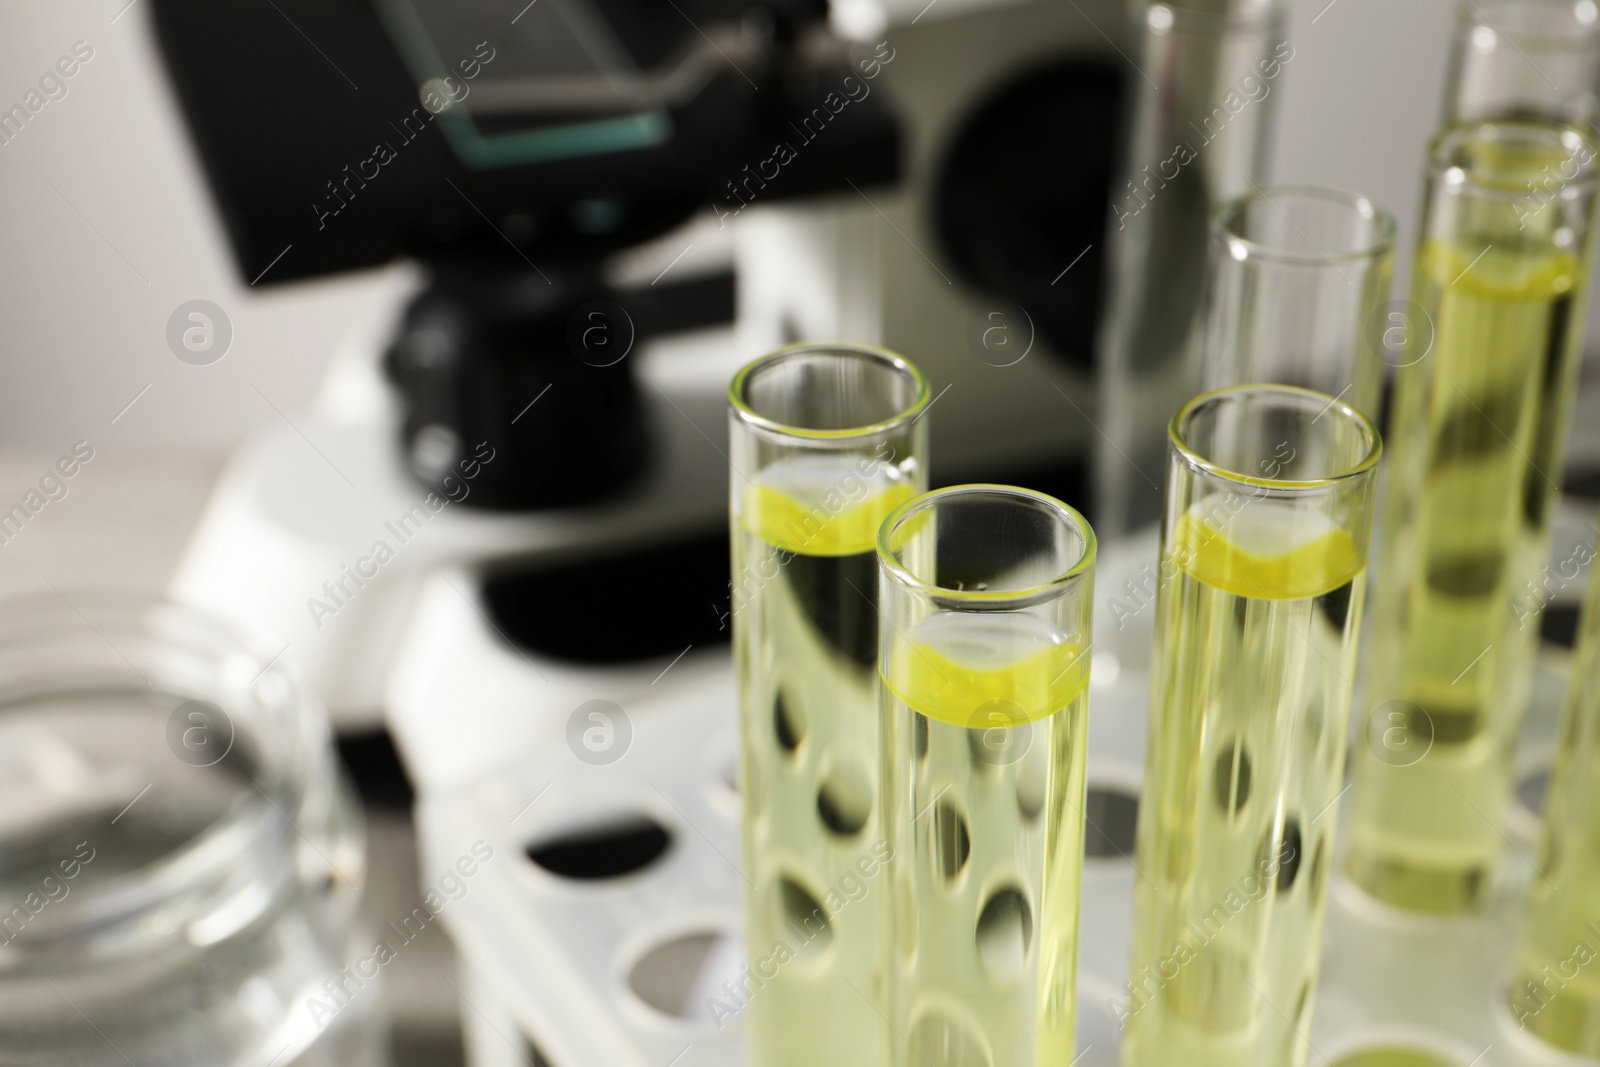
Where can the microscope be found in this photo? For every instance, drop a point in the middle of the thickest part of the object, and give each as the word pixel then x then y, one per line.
pixel 500 530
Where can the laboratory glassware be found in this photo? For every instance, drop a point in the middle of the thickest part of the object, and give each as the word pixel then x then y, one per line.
pixel 179 861
pixel 1198 123
pixel 1298 281
pixel 1525 59
pixel 987 597
pixel 826 440
pixel 1270 493
pixel 1556 989
pixel 1482 400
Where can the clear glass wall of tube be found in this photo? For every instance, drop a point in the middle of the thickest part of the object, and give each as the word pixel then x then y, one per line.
pixel 1555 990
pixel 1525 59
pixel 1476 444
pixel 825 440
pixel 1298 279
pixel 1270 493
pixel 987 596
pixel 1197 128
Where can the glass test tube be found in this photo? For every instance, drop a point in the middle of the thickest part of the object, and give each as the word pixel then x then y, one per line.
pixel 1525 59
pixel 987 605
pixel 1198 124
pixel 1270 493
pixel 1556 991
pixel 1297 282
pixel 826 440
pixel 1478 432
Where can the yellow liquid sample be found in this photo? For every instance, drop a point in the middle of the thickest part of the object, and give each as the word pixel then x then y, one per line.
pixel 825 521
pixel 1393 1056
pixel 1477 440
pixel 1556 991
pixel 1244 760
pixel 958 674
pixel 806 647
pixel 986 716
pixel 1268 552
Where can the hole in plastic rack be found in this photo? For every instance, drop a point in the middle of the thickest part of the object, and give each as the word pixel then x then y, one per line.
pixel 1531 789
pixel 1112 817
pixel 607 850
pixel 844 800
pixel 677 976
pixel 1005 933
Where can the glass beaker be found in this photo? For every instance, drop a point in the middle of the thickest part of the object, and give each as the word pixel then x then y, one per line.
pixel 826 440
pixel 179 862
pixel 1298 275
pixel 987 606
pixel 1264 548
pixel 1477 437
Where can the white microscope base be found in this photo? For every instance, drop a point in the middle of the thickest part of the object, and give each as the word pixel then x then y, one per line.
pixel 300 503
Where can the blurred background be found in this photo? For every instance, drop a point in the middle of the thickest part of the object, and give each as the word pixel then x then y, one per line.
pixel 111 226
pixel 112 229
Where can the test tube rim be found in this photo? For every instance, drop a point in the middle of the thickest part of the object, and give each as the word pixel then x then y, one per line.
pixel 1187 18
pixel 986 600
pixel 1286 486
pixel 1454 134
pixel 1470 16
pixel 1382 218
pixel 784 431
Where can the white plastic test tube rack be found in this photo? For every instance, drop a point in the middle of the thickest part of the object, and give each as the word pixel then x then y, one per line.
pixel 630 971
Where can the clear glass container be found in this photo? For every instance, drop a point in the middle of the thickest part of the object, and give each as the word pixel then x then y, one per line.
pixel 826 440
pixel 1299 276
pixel 1264 545
pixel 178 862
pixel 1477 439
pixel 987 596
pixel 1197 130
pixel 1527 59
pixel 1556 990
pixel 1536 59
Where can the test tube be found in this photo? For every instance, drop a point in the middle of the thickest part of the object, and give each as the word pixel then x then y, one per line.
pixel 1525 59
pixel 1478 432
pixel 1299 276
pixel 826 440
pixel 987 599
pixel 1269 503
pixel 1522 59
pixel 1198 124
pixel 1556 992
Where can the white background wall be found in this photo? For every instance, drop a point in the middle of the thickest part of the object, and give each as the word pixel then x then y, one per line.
pixel 1361 99
pixel 84 298
pixel 83 313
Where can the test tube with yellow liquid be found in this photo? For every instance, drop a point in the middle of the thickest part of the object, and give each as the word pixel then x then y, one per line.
pixel 987 606
pixel 1269 503
pixel 825 441
pixel 1556 990
pixel 1477 439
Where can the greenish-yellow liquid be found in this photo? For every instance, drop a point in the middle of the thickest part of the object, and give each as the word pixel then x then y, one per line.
pixel 1394 1056
pixel 1475 451
pixel 1556 991
pixel 805 578
pixel 1255 651
pixel 984 789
